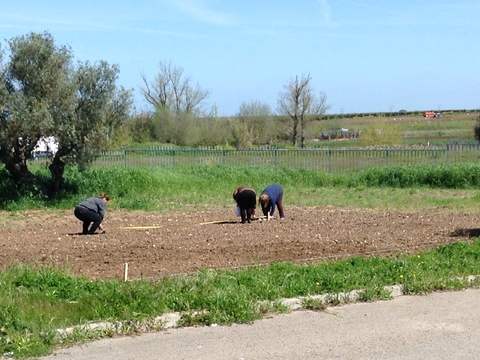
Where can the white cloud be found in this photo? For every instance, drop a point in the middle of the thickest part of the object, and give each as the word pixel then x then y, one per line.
pixel 366 6
pixel 198 10
pixel 325 8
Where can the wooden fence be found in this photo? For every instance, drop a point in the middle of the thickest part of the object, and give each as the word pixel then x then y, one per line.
pixel 328 160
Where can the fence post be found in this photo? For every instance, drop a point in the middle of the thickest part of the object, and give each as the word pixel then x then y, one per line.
pixel 330 160
pixel 275 157
pixel 125 156
pixel 387 155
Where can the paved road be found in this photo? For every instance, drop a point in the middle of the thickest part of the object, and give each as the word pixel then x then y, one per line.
pixel 436 326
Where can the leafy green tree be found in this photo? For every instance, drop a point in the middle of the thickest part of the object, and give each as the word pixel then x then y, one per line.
pixel 140 128
pixel 174 128
pixel 380 133
pixel 252 125
pixel 42 93
pixel 214 131
pixel 299 104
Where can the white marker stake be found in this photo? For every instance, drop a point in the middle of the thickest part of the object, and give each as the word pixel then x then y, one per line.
pixel 125 272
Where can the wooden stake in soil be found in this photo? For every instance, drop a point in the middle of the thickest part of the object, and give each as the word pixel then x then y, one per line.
pixel 226 221
pixel 215 222
pixel 142 227
pixel 125 272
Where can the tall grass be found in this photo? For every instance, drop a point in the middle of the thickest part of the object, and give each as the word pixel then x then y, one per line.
pixel 443 176
pixel 175 187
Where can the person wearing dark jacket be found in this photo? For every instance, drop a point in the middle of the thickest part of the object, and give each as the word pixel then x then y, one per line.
pixel 271 197
pixel 246 199
pixel 92 211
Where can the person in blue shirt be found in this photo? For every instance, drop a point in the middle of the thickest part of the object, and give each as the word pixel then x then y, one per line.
pixel 246 199
pixel 92 211
pixel 271 197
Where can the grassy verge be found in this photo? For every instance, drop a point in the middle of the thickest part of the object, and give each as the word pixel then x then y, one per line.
pixel 35 302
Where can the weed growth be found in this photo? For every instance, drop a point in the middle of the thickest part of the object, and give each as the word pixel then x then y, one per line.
pixel 179 186
pixel 35 301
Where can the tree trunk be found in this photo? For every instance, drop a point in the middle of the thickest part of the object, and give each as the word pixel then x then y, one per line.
pixel 295 132
pixel 57 168
pixel 19 170
pixel 17 167
pixel 16 164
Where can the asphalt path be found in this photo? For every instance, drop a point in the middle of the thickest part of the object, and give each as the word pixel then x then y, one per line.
pixel 436 326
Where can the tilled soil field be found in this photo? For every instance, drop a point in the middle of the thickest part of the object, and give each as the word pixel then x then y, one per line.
pixel 155 244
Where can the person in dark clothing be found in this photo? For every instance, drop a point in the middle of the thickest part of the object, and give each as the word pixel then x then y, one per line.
pixel 271 197
pixel 92 211
pixel 246 199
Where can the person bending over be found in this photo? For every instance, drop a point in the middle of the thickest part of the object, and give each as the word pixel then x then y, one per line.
pixel 246 199
pixel 271 197
pixel 92 211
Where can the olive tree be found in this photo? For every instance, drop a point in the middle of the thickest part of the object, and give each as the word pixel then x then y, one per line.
pixel 42 94
pixel 300 104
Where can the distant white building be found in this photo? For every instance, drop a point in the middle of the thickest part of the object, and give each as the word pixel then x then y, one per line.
pixel 45 147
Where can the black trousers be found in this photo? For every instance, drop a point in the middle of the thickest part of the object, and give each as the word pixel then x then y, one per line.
pixel 88 217
pixel 246 201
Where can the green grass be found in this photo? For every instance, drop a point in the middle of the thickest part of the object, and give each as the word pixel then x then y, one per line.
pixel 36 301
pixel 183 185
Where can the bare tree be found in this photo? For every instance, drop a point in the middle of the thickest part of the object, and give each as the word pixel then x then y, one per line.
pixel 173 91
pixel 300 105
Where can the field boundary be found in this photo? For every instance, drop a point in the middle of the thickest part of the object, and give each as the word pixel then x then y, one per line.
pixel 327 160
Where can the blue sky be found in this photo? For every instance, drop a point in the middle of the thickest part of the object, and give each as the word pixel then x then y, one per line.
pixel 366 55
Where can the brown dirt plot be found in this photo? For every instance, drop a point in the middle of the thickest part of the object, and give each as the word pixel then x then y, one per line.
pixel 183 242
